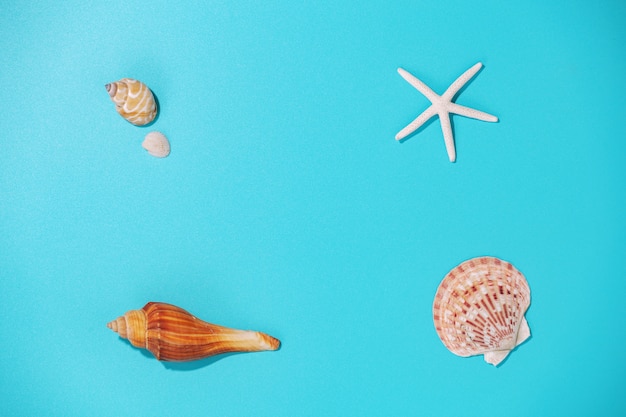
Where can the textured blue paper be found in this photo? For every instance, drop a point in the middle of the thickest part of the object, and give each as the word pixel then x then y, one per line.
pixel 287 206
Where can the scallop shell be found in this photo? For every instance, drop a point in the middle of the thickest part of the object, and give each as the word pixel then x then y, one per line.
pixel 156 144
pixel 479 309
pixel 133 101
pixel 173 334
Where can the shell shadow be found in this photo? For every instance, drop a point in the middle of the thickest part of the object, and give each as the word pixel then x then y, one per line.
pixel 199 364
pixel 186 366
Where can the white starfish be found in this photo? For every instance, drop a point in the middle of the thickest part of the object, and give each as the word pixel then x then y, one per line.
pixel 443 106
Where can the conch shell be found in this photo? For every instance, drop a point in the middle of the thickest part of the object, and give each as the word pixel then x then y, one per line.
pixel 173 334
pixel 133 101
pixel 479 309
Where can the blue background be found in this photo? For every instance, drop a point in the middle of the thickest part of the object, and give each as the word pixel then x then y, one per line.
pixel 287 206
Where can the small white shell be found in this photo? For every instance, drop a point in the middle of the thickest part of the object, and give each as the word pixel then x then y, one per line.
pixel 156 144
pixel 479 309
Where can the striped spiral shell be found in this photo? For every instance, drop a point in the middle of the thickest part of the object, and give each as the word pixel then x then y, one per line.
pixel 479 309
pixel 133 101
pixel 173 334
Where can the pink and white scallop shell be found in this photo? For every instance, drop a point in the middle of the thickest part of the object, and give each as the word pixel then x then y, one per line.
pixel 479 309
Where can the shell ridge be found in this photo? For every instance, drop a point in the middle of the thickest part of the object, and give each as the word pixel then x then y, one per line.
pixel 479 308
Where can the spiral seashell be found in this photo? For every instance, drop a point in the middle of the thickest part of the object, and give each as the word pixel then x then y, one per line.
pixel 133 101
pixel 479 309
pixel 156 144
pixel 173 334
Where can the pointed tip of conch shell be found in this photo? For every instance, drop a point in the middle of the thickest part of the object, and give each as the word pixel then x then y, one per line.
pixel 118 326
pixel 269 342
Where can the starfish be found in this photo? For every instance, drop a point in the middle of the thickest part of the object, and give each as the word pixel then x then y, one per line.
pixel 442 106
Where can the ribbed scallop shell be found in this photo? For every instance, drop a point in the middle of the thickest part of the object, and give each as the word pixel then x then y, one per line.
pixel 133 101
pixel 173 334
pixel 479 309
pixel 156 144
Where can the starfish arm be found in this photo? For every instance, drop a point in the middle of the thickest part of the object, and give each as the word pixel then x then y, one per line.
pixel 461 81
pixel 417 123
pixel 448 137
pixel 471 113
pixel 419 85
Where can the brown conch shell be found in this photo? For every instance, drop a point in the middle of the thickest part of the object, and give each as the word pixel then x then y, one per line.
pixel 173 334
pixel 133 101
pixel 479 309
